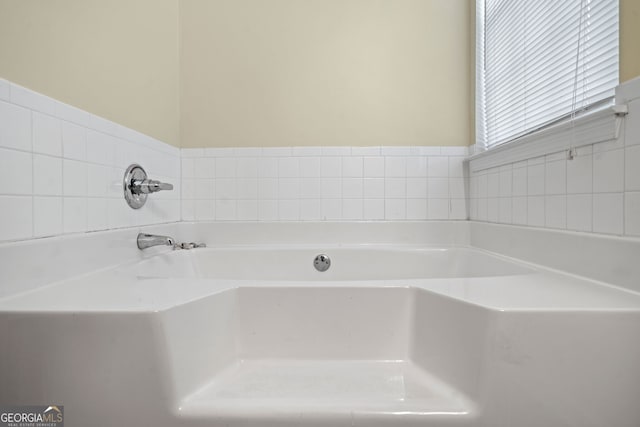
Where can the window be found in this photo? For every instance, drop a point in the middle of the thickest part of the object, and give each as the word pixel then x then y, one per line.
pixel 539 62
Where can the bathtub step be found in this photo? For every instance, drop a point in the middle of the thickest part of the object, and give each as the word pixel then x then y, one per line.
pixel 312 390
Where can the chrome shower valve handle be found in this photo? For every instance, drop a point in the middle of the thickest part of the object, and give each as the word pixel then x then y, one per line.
pixel 136 186
pixel 149 186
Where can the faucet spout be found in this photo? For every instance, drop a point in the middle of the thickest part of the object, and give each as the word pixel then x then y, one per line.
pixel 148 240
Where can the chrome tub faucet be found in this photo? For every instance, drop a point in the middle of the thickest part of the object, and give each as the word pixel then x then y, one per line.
pixel 148 240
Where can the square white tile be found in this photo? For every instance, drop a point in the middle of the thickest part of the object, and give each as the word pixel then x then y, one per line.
pixel 535 179
pixel 75 178
pixel 268 167
pixel 310 209
pixel 632 214
pixel 519 210
pixel 608 171
pixel 505 214
pixel 395 166
pixel 205 210
pixel 555 208
pixel 519 187
pixel 395 209
pixel 268 188
pixel 226 189
pixel 331 209
pixel 289 210
pixel 225 167
pixel 608 213
pixel 483 209
pixel 74 141
pixel 438 167
pixel 395 188
pixel 438 209
pixel 47 175
pixel 373 188
pixel 74 218
pixel 579 212
pixel 267 210
pixel 535 211
pixel 47 216
pixel 417 209
pixel 247 210
pixel 373 209
pixel 456 166
pixel 458 209
pixel 555 177
pixel 97 216
pixel 47 134
pixel 580 174
pixel 493 183
pixel 483 185
pixel 188 167
pixel 15 127
pixel 438 188
pixel 374 167
pixel 226 210
pixel 204 188
pixel 16 217
pixel 632 168
pixel 100 148
pixel 5 90
pixel 289 167
pixel 493 209
pixel 310 188
pixel 247 167
pixel 352 166
pixel 310 167
pixel 352 209
pixel 331 167
pixel 352 188
pixel 417 166
pixel 247 188
pixel 506 183
pixel 15 172
pixel 457 188
pixel 204 167
pixel 330 188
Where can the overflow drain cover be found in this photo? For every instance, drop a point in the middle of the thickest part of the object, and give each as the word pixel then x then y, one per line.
pixel 322 262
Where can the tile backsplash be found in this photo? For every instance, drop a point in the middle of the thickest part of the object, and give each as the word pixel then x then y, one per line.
pixel 323 183
pixel 596 191
pixel 61 172
pixel 61 169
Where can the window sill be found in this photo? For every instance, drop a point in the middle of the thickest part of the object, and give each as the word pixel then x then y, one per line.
pixel 599 126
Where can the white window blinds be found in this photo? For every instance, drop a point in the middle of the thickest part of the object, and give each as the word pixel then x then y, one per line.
pixel 540 61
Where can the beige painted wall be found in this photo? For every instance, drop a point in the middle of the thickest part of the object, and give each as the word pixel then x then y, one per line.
pixel 115 58
pixel 629 39
pixel 324 72
pixel 258 72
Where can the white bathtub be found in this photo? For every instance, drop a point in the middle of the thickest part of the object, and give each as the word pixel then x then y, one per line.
pixel 354 262
pixel 411 326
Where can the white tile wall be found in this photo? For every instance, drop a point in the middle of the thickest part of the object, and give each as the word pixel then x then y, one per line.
pixel 324 183
pixel 61 169
pixel 596 191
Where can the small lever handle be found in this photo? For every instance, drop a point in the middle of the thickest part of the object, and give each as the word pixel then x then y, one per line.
pixel 137 186
pixel 149 186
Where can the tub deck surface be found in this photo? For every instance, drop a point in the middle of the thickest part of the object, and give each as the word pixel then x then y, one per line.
pixel 131 287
